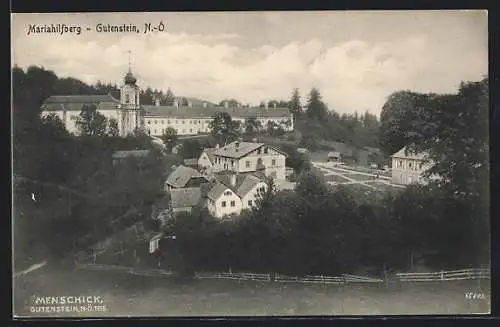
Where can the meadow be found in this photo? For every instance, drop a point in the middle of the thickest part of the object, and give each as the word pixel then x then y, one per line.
pixel 127 295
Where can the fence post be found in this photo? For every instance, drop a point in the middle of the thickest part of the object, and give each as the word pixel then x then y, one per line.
pixel 442 275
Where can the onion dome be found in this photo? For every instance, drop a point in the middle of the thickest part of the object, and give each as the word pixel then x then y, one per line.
pixel 130 78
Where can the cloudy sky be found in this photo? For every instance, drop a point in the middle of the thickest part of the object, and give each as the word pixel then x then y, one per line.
pixel 356 59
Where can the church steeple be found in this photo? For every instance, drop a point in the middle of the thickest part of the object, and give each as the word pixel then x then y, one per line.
pixel 129 78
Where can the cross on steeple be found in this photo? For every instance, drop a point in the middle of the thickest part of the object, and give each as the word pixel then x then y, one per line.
pixel 129 61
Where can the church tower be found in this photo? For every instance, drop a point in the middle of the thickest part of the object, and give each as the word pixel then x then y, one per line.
pixel 132 114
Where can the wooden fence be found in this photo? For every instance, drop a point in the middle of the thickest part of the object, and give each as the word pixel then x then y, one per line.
pixel 462 274
pixel 148 272
pixel 288 279
pixel 453 275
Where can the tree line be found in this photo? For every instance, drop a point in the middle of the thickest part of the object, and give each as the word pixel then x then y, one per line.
pixel 318 229
pixel 48 220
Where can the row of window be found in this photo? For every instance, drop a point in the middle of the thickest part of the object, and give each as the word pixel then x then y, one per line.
pixel 233 203
pixel 161 131
pixel 410 165
pixel 182 121
pixel 247 163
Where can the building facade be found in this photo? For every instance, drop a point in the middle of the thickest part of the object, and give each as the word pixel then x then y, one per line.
pixel 408 167
pixel 245 157
pixel 127 112
pixel 130 114
pixel 193 120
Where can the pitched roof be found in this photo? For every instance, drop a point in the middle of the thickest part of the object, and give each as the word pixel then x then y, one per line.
pixel 334 154
pixel 244 183
pixel 405 154
pixel 181 175
pixel 185 197
pixel 210 154
pixel 237 149
pixel 130 153
pixel 216 191
pixel 76 102
pixel 208 112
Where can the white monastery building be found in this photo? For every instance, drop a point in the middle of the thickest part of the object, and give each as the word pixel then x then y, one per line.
pixel 408 167
pixel 154 119
pixel 127 112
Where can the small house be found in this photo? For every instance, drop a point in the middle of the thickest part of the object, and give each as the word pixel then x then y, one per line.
pixel 184 199
pixel 183 177
pixel 334 157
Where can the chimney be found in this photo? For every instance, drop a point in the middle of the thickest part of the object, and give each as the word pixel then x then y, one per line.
pixel 233 180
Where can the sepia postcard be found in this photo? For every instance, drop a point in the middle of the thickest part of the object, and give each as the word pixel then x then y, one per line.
pixel 208 164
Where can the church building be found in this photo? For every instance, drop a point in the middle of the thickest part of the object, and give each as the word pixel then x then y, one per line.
pixel 127 112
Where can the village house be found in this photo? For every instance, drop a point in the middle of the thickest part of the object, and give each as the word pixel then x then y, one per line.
pixel 184 199
pixel 232 193
pixel 184 177
pixel 245 157
pixel 408 167
pixel 334 156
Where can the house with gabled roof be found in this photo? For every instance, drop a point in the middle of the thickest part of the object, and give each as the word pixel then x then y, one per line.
pixel 232 193
pixel 184 177
pixel 408 166
pixel 244 157
pixel 185 199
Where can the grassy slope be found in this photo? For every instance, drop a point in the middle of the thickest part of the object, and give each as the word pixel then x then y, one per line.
pixel 132 295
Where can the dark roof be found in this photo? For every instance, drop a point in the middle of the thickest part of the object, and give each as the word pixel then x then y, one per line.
pixel 185 197
pixel 130 153
pixel 216 191
pixel 208 112
pixel 244 183
pixel 239 149
pixel 405 154
pixel 76 102
pixel 181 175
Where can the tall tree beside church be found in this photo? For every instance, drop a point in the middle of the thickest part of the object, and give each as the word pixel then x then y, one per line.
pixel 90 122
pixel 224 128
pixel 113 129
pixel 294 104
pixel 316 108
pixel 169 98
pixel 169 138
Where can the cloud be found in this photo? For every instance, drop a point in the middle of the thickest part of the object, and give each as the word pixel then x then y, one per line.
pixel 351 75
